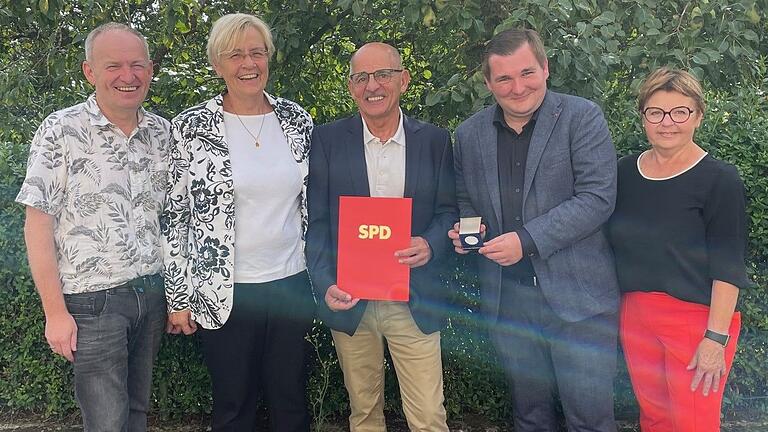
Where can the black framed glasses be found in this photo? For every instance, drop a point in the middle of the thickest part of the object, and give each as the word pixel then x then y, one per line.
pixel 382 76
pixel 655 115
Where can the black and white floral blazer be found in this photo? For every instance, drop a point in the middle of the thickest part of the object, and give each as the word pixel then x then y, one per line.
pixel 198 221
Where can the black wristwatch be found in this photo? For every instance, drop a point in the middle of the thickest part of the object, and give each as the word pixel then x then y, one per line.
pixel 720 338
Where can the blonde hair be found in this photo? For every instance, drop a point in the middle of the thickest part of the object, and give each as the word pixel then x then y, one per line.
pixel 228 30
pixel 668 79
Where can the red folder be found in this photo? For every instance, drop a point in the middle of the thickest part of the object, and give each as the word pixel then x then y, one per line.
pixel 370 231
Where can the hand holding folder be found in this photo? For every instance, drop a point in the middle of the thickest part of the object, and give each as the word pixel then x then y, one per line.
pixel 371 231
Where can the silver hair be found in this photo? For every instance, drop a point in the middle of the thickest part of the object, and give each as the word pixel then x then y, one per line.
pixel 108 27
pixel 392 52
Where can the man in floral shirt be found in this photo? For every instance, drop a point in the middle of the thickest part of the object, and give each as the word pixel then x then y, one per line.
pixel 94 189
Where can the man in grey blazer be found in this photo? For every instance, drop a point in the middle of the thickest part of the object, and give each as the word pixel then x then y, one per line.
pixel 539 167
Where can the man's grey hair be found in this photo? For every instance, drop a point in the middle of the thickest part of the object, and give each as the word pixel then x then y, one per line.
pixel 108 27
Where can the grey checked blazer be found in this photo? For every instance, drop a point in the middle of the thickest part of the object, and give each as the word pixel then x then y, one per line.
pixel 569 192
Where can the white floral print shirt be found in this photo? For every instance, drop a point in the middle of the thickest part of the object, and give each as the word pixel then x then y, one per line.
pixel 106 191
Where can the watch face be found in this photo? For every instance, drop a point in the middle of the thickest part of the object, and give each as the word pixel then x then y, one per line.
pixel 471 240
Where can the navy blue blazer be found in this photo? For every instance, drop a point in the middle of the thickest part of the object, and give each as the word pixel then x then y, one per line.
pixel 337 168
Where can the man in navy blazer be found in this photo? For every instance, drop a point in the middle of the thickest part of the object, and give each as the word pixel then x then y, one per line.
pixel 539 167
pixel 381 152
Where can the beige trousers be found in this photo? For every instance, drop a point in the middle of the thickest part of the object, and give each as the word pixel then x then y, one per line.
pixel 417 362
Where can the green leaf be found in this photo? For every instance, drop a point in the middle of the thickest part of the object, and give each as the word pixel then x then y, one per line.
pixel 700 58
pixel 604 18
pixel 723 46
pixel 750 35
pixel 583 5
pixel 697 72
pixel 433 99
pixel 635 51
pixel 182 26
pixel 663 40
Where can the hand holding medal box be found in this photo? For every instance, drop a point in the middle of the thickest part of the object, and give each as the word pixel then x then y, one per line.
pixel 370 231
pixel 469 233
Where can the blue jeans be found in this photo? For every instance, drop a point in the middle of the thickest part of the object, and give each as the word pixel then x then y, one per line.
pixel 118 336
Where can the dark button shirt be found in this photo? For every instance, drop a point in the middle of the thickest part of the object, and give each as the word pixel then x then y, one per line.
pixel 512 150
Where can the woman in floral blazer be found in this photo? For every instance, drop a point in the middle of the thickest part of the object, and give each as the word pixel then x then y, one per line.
pixel 234 228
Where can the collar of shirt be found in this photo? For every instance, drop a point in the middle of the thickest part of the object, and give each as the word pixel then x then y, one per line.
pixel 397 138
pixel 98 118
pixel 498 119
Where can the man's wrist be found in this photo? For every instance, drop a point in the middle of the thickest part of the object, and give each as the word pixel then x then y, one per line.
pixel 527 244
pixel 59 313
pixel 54 308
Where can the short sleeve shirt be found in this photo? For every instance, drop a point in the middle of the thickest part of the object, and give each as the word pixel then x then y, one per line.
pixel 106 191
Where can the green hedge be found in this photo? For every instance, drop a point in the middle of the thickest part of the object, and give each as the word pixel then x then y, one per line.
pixel 32 379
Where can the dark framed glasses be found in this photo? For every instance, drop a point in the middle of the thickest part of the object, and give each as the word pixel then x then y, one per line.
pixel 382 76
pixel 655 115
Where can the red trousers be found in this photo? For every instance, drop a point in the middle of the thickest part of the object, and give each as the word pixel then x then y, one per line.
pixel 659 335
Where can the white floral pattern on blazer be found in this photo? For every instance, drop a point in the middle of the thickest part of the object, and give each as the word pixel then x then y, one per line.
pixel 199 217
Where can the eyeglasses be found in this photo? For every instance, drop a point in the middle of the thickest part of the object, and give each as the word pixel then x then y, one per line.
pixel 656 115
pixel 256 54
pixel 382 76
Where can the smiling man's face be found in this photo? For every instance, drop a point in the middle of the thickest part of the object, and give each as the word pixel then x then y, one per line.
pixel 376 101
pixel 120 70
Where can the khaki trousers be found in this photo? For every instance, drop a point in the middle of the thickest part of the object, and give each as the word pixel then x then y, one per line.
pixel 417 362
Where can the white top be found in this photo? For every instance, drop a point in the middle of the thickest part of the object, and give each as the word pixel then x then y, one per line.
pixel 267 180
pixel 385 162
pixel 696 162
pixel 105 191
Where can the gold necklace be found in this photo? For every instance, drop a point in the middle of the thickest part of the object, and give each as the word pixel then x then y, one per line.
pixel 255 137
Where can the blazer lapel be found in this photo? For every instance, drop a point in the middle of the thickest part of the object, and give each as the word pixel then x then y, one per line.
pixel 356 157
pixel 413 152
pixel 545 124
pixel 488 148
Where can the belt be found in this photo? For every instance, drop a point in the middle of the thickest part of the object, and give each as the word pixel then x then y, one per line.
pixel 140 284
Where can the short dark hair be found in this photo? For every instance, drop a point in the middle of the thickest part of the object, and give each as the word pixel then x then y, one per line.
pixel 509 41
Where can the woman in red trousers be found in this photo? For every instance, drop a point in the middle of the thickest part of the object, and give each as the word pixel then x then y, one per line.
pixel 679 236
